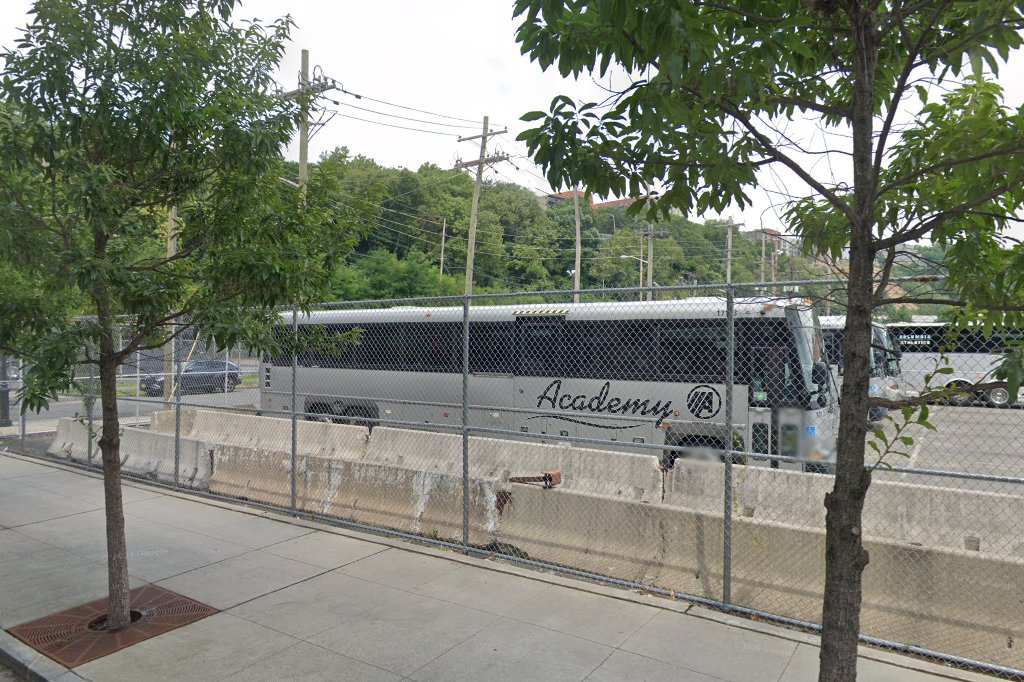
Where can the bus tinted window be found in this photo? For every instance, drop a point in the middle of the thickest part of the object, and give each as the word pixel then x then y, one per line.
pixel 540 348
pixel 380 347
pixel 939 338
pixel 433 347
pixel 692 351
pixel 590 348
pixel 636 351
pixel 492 347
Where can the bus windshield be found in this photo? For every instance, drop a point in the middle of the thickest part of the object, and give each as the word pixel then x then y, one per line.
pixel 809 345
pixel 891 353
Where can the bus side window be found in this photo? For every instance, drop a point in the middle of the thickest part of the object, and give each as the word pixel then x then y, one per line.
pixel 590 348
pixel 381 347
pixel 636 343
pixel 492 347
pixel 433 346
pixel 692 350
pixel 540 348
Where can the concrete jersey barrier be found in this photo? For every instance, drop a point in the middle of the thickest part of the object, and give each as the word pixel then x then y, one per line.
pixel 321 439
pixel 408 500
pixel 945 600
pixel 143 453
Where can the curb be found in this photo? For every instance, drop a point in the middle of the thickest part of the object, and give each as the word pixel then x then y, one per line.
pixel 32 665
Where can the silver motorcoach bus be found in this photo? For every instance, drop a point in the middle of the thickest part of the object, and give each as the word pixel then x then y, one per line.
pixel 970 354
pixel 624 373
pixel 886 371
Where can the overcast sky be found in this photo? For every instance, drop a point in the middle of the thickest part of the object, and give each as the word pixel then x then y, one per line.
pixel 454 57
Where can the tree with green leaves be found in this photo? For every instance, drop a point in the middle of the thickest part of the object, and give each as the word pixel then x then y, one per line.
pixel 111 113
pixel 929 152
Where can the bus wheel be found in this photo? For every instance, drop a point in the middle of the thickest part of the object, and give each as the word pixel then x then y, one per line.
pixel 961 398
pixel 359 416
pixel 315 412
pixel 998 397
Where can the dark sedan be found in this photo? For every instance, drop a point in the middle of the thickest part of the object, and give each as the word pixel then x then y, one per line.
pixel 199 376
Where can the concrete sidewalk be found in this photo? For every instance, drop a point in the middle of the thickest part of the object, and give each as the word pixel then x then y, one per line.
pixel 301 600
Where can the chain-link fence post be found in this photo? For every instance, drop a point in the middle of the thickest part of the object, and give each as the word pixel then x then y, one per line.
pixel 5 394
pixel 21 412
pixel 176 387
pixel 138 384
pixel 730 370
pixel 465 425
pixel 89 400
pixel 295 394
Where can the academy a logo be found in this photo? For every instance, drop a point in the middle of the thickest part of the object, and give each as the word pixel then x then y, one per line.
pixel 704 402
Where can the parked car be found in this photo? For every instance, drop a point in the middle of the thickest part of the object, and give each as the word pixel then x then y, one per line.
pixel 198 376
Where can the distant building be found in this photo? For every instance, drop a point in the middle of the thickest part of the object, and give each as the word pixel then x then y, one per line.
pixel 616 203
pixel 550 200
pixel 562 197
pixel 777 241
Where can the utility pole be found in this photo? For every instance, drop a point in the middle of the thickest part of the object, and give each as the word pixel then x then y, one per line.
pixel 650 233
pixel 775 266
pixel 444 229
pixel 579 248
pixel 728 255
pixel 303 93
pixel 304 125
pixel 171 353
pixel 763 240
pixel 650 263
pixel 474 208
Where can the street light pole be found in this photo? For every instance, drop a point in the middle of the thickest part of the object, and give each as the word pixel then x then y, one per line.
pixel 642 262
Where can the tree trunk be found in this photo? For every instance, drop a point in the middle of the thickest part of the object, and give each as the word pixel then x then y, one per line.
pixel 118 611
pixel 845 556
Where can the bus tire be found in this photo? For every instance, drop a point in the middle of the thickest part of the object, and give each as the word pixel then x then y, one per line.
pixel 315 411
pixel 359 416
pixel 961 398
pixel 997 397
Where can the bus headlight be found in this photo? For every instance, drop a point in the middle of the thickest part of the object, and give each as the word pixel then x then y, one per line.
pixel 816 455
pixel 790 441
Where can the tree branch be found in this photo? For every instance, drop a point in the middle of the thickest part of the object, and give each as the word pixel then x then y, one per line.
pixel 897 95
pixel 950 163
pixel 938 219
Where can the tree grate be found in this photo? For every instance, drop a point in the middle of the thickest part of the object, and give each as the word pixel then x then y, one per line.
pixel 68 639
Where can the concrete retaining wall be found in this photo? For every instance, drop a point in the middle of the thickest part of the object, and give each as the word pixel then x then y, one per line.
pixel 930 516
pixel 962 602
pixel 408 500
pixel 143 453
pixel 320 439
pixel 619 474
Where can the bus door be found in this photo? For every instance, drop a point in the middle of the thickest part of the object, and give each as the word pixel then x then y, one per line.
pixel 765 367
pixel 539 377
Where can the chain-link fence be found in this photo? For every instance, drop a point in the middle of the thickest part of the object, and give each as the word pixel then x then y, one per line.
pixel 682 445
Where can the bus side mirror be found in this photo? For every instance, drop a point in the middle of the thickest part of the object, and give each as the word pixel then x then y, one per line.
pixel 821 375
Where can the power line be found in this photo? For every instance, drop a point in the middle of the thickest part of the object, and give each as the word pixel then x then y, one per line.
pixel 390 125
pixel 407 108
pixel 404 118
